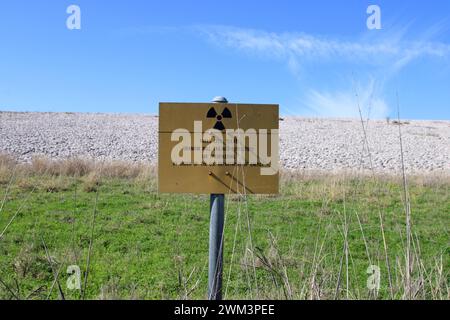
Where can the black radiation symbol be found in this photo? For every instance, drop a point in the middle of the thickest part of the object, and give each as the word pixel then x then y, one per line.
pixel 226 114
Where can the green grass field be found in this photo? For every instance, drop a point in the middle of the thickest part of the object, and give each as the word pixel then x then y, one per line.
pixel 315 240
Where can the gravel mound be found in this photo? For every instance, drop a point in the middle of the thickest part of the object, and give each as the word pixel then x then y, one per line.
pixel 311 144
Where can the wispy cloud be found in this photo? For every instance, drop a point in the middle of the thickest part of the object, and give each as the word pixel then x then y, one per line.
pixel 348 103
pixel 300 46
pixel 377 59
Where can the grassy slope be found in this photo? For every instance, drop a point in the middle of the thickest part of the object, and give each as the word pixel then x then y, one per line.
pixel 154 246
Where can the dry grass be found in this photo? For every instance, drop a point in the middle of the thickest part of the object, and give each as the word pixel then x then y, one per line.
pixel 74 167
pixel 7 164
pixel 59 174
pixel 92 172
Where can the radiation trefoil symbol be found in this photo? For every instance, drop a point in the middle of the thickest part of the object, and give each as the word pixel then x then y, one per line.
pixel 226 114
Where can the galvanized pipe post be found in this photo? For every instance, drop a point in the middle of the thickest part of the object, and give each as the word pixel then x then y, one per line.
pixel 217 203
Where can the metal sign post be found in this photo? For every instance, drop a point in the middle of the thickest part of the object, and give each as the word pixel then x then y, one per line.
pixel 216 247
pixel 217 203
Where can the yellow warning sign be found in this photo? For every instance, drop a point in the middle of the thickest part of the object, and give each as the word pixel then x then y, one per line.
pixel 209 148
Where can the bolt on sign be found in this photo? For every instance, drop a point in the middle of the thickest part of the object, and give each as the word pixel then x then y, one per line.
pixel 209 148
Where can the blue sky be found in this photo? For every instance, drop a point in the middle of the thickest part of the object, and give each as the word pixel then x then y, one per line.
pixel 314 58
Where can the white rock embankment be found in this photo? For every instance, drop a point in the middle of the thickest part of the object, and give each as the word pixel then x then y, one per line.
pixel 310 144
